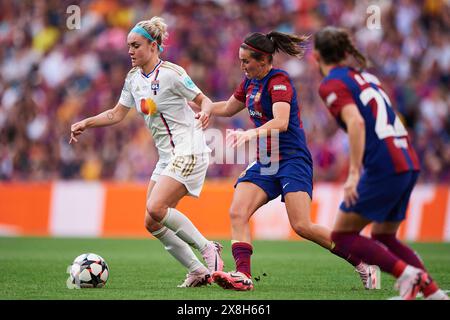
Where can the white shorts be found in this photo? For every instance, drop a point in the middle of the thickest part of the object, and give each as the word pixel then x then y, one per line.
pixel 189 170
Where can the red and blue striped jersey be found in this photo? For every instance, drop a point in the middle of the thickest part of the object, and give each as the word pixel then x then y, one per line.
pixel 259 97
pixel 388 148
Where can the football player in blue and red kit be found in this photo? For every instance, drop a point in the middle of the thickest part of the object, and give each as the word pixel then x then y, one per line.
pixel 283 166
pixel 383 166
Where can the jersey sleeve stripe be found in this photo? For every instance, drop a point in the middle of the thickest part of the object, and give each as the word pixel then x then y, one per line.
pixel 171 66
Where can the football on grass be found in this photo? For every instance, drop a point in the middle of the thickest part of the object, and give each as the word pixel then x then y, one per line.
pixel 88 270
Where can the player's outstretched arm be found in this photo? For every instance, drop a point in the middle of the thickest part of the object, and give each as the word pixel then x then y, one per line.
pixel 280 122
pixel 227 108
pixel 221 109
pixel 106 118
pixel 203 103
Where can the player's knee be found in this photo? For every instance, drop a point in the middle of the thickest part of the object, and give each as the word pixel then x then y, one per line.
pixel 238 214
pixel 150 224
pixel 157 210
pixel 304 230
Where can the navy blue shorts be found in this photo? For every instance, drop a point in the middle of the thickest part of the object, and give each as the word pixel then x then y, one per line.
pixel 383 198
pixel 293 175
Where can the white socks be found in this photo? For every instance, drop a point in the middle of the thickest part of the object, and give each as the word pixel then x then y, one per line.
pixel 179 249
pixel 184 229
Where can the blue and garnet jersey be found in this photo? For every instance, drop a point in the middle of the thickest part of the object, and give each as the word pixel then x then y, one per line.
pixel 388 148
pixel 259 97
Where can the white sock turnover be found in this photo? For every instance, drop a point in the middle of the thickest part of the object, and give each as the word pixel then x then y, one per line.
pixel 179 249
pixel 184 228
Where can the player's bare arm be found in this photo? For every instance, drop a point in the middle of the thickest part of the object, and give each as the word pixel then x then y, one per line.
pixel 106 118
pixel 222 109
pixel 356 133
pixel 205 104
pixel 279 122
pixel 280 119
pixel 227 108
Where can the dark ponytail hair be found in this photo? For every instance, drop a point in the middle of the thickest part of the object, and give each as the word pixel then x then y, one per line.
pixel 333 45
pixel 261 44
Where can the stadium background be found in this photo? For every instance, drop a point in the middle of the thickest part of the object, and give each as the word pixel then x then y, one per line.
pixel 51 76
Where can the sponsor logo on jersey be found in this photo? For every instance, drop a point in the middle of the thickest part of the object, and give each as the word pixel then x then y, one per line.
pixel 148 106
pixel 255 113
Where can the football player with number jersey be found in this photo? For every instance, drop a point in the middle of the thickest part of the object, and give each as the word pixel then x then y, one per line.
pixel 383 167
pixel 283 166
pixel 159 91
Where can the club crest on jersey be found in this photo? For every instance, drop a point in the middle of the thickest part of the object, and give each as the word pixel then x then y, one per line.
pixel 257 96
pixel 155 86
pixel 148 106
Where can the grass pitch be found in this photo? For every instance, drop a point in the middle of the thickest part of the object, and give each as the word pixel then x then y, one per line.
pixel 35 268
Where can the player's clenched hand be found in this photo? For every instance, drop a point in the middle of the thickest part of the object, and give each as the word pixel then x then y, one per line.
pixel 76 129
pixel 235 138
pixel 204 118
pixel 350 192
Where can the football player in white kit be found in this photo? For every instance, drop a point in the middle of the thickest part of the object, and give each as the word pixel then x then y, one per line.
pixel 159 91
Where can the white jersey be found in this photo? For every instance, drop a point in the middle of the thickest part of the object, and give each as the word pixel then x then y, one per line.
pixel 161 98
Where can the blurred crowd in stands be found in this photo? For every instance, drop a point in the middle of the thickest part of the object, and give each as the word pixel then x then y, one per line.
pixel 52 76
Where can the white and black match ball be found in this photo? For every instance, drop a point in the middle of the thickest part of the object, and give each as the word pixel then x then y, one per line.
pixel 89 270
